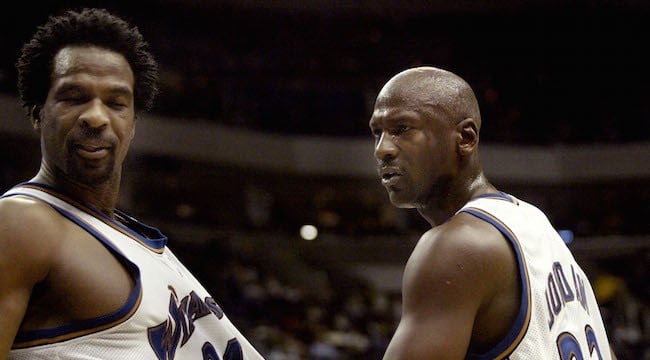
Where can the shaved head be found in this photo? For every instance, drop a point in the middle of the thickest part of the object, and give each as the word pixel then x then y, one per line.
pixel 426 125
pixel 435 88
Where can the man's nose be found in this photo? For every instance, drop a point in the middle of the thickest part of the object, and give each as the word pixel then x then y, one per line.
pixel 95 115
pixel 385 148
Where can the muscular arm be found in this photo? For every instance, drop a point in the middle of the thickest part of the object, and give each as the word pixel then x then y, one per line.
pixel 448 281
pixel 23 262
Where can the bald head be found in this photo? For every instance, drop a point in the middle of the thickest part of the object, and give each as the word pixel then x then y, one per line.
pixel 426 129
pixel 434 88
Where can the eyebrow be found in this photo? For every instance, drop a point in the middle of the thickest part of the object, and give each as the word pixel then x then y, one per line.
pixel 121 90
pixel 398 116
pixel 113 90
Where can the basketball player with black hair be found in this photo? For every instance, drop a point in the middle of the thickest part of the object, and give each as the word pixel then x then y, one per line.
pixel 491 279
pixel 80 279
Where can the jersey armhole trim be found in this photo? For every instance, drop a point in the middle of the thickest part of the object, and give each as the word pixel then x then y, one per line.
pixel 88 326
pixel 520 326
pixel 80 328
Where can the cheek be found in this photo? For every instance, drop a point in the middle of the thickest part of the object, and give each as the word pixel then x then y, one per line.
pixel 125 128
pixel 125 134
pixel 54 133
pixel 432 163
pixel 125 143
pixel 424 168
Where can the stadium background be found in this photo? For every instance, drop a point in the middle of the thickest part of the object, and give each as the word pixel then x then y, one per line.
pixel 261 128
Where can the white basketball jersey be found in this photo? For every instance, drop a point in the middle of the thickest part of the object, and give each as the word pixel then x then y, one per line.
pixel 168 315
pixel 558 317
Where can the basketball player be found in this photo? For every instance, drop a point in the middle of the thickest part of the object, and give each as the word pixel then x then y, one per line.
pixel 80 279
pixel 491 279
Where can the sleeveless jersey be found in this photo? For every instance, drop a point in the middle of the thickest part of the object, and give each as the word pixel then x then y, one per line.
pixel 168 315
pixel 558 316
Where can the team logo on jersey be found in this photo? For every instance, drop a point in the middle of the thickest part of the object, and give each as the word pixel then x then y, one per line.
pixel 166 337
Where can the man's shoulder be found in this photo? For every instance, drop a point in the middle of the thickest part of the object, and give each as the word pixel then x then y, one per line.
pixel 24 208
pixel 463 259
pixel 462 242
pixel 27 223
pixel 31 233
pixel 464 231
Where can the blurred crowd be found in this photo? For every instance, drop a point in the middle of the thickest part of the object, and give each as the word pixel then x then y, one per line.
pixel 340 318
pixel 345 318
pixel 560 77
pixel 544 74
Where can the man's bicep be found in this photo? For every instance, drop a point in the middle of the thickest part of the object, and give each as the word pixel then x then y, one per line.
pixel 429 336
pixel 24 261
pixel 436 321
pixel 15 290
pixel 443 288
pixel 13 303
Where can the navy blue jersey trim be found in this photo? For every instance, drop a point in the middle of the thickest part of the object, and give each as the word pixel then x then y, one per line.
pixel 149 236
pixel 520 325
pixel 84 327
pixel 499 196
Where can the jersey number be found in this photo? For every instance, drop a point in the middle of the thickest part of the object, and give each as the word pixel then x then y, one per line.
pixel 569 347
pixel 233 351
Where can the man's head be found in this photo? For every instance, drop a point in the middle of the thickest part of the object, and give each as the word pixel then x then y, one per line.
pixel 425 123
pixel 95 27
pixel 82 77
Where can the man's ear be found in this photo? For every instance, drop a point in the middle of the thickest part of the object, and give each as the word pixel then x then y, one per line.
pixel 467 131
pixel 35 117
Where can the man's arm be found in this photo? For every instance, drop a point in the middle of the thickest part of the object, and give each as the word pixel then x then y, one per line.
pixel 449 277
pixel 24 261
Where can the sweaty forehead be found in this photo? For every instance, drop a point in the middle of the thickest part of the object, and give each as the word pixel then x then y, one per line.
pixel 392 107
pixel 420 89
pixel 90 60
pixel 435 92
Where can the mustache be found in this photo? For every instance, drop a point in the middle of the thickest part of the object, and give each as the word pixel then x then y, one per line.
pixel 90 132
pixel 387 163
pixel 385 168
pixel 93 135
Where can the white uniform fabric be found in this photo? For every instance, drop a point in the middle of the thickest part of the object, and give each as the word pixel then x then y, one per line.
pixel 168 315
pixel 558 317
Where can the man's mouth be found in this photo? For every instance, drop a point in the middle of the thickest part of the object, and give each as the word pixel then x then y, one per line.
pixel 91 151
pixel 389 176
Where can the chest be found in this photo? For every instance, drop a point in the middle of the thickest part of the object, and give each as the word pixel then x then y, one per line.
pixel 86 280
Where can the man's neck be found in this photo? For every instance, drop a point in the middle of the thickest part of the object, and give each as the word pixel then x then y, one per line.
pixel 438 212
pixel 102 197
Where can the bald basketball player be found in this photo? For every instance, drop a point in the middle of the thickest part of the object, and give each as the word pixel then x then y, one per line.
pixel 491 279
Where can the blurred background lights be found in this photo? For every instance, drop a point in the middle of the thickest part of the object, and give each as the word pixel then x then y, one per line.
pixel 308 232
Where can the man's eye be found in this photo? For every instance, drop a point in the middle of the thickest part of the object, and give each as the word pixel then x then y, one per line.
pixel 73 100
pixel 117 105
pixel 401 129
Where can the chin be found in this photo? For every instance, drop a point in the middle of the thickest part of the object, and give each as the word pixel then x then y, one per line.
pixel 400 202
pixel 94 176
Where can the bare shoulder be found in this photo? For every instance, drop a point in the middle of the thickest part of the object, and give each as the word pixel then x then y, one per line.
pixel 462 244
pixel 449 288
pixel 28 234
pixel 467 270
pixel 465 258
